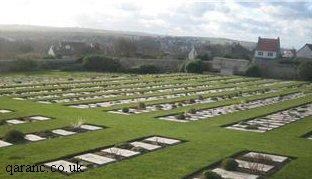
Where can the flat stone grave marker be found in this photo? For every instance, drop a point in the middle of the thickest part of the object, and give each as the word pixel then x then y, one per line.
pixel 234 174
pixel 93 158
pixel 5 111
pixel 145 145
pixel 4 144
pixel 121 152
pixel 15 121
pixel 39 118
pixel 90 127
pixel 63 132
pixel 33 137
pixel 163 140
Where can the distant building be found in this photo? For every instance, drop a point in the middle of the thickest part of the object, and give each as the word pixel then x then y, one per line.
pixel 305 51
pixel 72 49
pixel 289 53
pixel 267 48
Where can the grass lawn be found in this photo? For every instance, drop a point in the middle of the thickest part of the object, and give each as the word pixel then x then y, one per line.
pixel 206 142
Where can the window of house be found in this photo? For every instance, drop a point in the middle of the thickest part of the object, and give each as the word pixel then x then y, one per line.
pixel 270 54
pixel 260 53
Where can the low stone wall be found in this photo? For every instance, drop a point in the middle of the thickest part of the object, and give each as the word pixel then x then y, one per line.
pixel 7 65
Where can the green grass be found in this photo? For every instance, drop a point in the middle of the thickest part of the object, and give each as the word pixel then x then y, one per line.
pixel 207 141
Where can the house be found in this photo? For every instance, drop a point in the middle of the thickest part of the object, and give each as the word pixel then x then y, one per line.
pixel 267 48
pixel 68 49
pixel 305 51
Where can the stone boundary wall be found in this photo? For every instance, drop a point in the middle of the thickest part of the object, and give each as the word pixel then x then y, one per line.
pixel 6 65
pixel 273 69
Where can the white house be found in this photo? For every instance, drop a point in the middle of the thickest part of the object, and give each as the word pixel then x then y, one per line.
pixel 305 51
pixel 267 48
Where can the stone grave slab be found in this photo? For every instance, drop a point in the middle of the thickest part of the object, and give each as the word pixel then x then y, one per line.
pixel 4 144
pixel 163 140
pixel 33 137
pixel 121 152
pixel 15 121
pixel 63 132
pixel 93 158
pixel 234 174
pixel 145 145
pixel 90 127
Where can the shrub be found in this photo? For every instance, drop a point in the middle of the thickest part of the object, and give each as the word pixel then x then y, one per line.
pixel 211 175
pixel 192 111
pixel 141 105
pixel 173 106
pixel 180 104
pixel 192 66
pixel 101 63
pixel 125 109
pixel 191 101
pixel 229 164
pixel 14 136
pixel 159 107
pixel 148 69
pixel 305 70
pixel 2 122
pixel 253 71
pixel 180 116
pixel 200 97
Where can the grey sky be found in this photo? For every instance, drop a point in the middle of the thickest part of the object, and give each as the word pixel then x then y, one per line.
pixel 291 20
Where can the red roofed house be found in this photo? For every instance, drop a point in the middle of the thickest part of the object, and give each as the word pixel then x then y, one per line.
pixel 267 48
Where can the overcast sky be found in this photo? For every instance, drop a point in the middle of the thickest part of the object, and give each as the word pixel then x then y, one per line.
pixel 291 21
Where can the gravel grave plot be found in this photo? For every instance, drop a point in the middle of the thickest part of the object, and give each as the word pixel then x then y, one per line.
pixel 250 165
pixel 103 156
pixel 273 121
pixel 49 134
pixel 170 106
pixel 3 111
pixel 45 94
pixel 213 112
pixel 26 119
